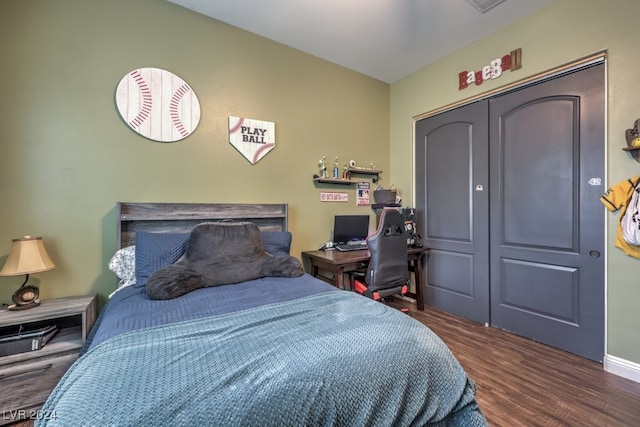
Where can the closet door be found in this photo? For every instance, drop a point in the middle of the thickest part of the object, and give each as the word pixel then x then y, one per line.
pixel 547 224
pixel 507 198
pixel 452 209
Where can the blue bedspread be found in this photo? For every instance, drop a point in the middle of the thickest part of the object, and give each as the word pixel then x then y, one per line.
pixel 131 309
pixel 331 358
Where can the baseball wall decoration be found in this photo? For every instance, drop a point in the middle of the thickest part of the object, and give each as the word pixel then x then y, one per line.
pixel 157 104
pixel 252 138
pixel 509 62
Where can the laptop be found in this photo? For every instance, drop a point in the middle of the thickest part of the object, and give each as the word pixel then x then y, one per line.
pixel 350 232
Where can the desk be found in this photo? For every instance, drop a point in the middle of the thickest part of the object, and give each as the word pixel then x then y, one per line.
pixel 339 263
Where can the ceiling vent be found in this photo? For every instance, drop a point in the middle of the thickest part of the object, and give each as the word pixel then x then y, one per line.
pixel 484 5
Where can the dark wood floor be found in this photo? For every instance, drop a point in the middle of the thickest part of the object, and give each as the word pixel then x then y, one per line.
pixel 521 382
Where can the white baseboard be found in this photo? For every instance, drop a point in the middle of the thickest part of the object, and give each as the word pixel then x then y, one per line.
pixel 622 367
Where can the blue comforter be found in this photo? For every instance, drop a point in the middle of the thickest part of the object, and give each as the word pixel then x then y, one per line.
pixel 327 358
pixel 130 308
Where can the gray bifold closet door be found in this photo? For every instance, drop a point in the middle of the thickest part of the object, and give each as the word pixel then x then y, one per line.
pixel 507 198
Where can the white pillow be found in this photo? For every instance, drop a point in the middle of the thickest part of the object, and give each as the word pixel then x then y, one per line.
pixel 123 264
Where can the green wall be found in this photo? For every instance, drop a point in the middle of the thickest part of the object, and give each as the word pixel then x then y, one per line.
pixel 67 157
pixel 561 33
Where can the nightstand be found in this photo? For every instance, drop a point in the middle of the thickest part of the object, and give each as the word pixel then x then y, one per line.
pixel 27 379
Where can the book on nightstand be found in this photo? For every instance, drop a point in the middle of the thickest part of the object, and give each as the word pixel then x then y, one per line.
pixel 23 341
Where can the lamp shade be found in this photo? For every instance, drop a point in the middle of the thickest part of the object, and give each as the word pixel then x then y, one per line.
pixel 27 255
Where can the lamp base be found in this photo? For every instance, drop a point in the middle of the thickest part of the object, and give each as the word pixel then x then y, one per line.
pixel 26 297
pixel 16 307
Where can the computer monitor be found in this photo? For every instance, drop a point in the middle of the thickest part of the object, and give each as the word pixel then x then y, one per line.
pixel 349 228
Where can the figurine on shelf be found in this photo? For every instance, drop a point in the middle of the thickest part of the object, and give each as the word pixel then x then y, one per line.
pixel 345 172
pixel 322 164
pixel 336 169
pixel 373 166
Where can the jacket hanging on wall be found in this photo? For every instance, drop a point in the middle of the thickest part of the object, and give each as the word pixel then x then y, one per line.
pixel 618 197
pixel 631 219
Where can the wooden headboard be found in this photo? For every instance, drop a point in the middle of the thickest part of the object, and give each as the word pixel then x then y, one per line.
pixel 182 217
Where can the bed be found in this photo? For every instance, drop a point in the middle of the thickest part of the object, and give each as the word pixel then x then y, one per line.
pixel 270 351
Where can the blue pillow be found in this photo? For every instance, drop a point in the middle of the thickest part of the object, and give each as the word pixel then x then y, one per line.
pixel 157 250
pixel 276 243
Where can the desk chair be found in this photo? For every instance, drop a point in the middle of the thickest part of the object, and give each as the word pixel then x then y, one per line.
pixel 387 273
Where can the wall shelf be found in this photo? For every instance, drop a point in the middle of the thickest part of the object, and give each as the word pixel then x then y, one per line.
pixel 363 171
pixel 341 181
pixel 333 181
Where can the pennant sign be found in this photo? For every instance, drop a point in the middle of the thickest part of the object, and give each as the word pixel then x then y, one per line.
pixel 334 197
pixel 252 138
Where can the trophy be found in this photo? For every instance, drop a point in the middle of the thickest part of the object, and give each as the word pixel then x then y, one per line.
pixel 322 164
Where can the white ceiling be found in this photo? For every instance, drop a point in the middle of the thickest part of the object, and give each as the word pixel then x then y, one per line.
pixel 384 39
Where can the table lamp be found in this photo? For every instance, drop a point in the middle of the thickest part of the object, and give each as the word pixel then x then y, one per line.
pixel 26 256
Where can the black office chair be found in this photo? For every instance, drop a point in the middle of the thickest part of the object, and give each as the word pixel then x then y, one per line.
pixel 387 273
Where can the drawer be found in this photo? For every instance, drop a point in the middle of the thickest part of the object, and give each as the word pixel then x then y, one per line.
pixel 27 385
